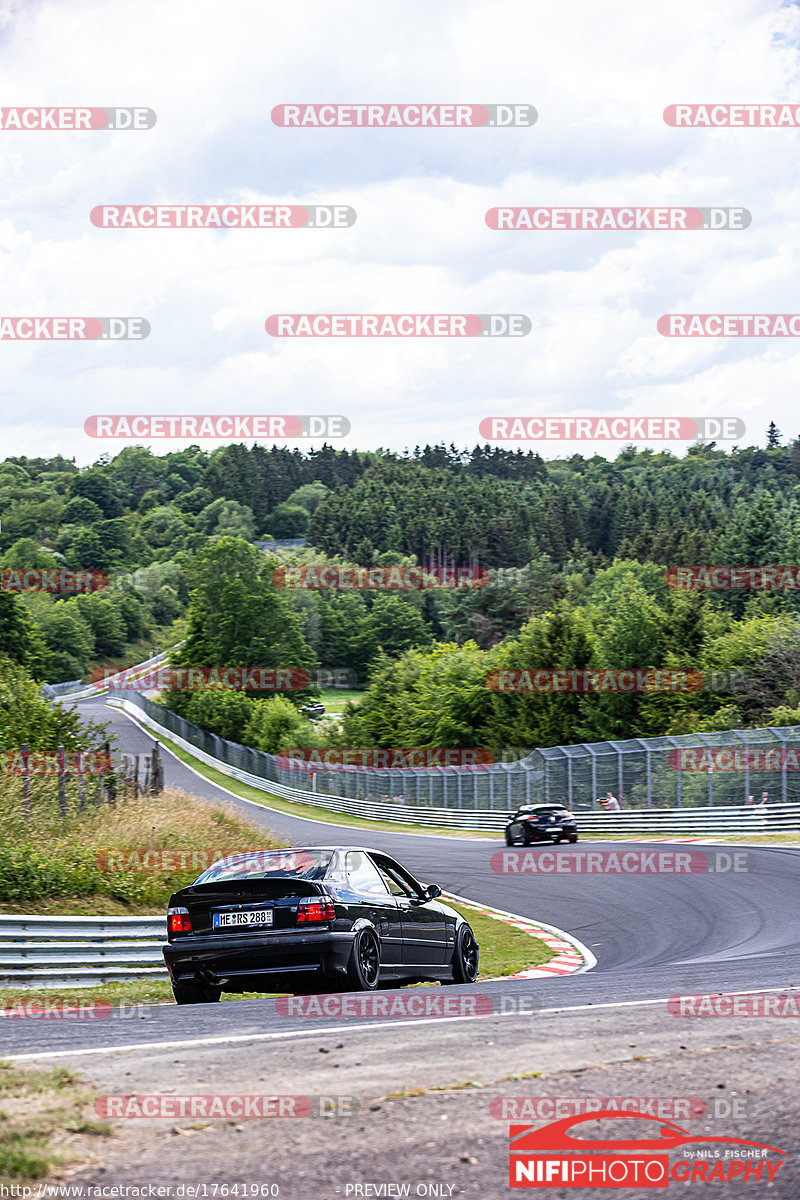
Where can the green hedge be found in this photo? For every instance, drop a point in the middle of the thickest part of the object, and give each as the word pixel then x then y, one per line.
pixel 70 869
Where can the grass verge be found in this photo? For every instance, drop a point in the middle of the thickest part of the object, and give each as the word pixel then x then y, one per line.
pixel 47 1123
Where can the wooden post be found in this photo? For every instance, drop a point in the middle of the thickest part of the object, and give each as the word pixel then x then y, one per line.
pixel 25 751
pixel 81 781
pixel 62 782
pixel 111 780
pixel 156 771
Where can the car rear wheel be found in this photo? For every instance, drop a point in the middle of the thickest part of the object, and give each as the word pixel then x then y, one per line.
pixel 573 837
pixel 465 957
pixel 195 993
pixel 364 967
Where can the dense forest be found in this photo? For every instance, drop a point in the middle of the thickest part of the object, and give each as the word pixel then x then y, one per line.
pixel 576 552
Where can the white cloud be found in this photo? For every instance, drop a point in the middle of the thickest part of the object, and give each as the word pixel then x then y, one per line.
pixel 599 77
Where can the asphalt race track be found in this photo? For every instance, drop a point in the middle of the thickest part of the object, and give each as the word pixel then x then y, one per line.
pixel 654 936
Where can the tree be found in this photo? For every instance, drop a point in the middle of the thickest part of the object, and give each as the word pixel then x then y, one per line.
pixel 27 717
pixel 96 486
pixel 394 624
pixel 237 616
pixel 288 521
pixel 27 555
pixel 276 725
pixel 17 633
pixel 773 436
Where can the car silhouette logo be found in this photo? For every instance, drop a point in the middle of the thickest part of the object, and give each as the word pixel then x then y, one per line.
pixel 526 1139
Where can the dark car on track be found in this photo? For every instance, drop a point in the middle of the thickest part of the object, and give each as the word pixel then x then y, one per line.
pixel 312 919
pixel 541 823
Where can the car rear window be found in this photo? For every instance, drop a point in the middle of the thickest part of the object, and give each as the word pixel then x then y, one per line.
pixel 269 864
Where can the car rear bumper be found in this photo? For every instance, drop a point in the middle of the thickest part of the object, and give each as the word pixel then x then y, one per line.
pixel 216 958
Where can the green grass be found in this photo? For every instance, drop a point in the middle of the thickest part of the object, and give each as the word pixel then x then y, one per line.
pixel 335 699
pixel 37 1109
pixel 505 950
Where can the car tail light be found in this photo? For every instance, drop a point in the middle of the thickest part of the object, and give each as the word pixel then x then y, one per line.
pixel 178 920
pixel 315 910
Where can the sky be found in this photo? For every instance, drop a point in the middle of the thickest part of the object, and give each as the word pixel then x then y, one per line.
pixel 599 77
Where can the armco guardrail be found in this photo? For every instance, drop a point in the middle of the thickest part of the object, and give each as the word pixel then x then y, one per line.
pixel 54 952
pixel 96 689
pixel 696 822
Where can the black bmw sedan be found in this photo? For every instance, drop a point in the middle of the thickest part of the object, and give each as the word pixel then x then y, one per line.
pixel 540 823
pixel 312 919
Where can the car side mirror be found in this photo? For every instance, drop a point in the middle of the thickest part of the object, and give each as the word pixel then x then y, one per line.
pixel 432 891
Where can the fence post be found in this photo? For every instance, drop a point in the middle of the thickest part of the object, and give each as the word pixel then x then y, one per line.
pixel 25 751
pixel 61 759
pixel 649 778
pixel 111 782
pixel 81 781
pixel 157 780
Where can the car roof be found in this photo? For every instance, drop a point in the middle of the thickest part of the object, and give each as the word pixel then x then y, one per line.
pixel 297 849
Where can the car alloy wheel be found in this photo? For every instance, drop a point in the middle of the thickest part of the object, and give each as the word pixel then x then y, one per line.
pixel 364 967
pixel 465 956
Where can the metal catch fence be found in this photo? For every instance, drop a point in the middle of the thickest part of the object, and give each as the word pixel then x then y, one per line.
pixel 687 771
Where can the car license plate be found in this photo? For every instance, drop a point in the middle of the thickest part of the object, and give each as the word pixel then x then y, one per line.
pixel 259 916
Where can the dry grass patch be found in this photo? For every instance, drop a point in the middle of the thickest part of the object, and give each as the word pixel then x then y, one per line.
pixel 47 1124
